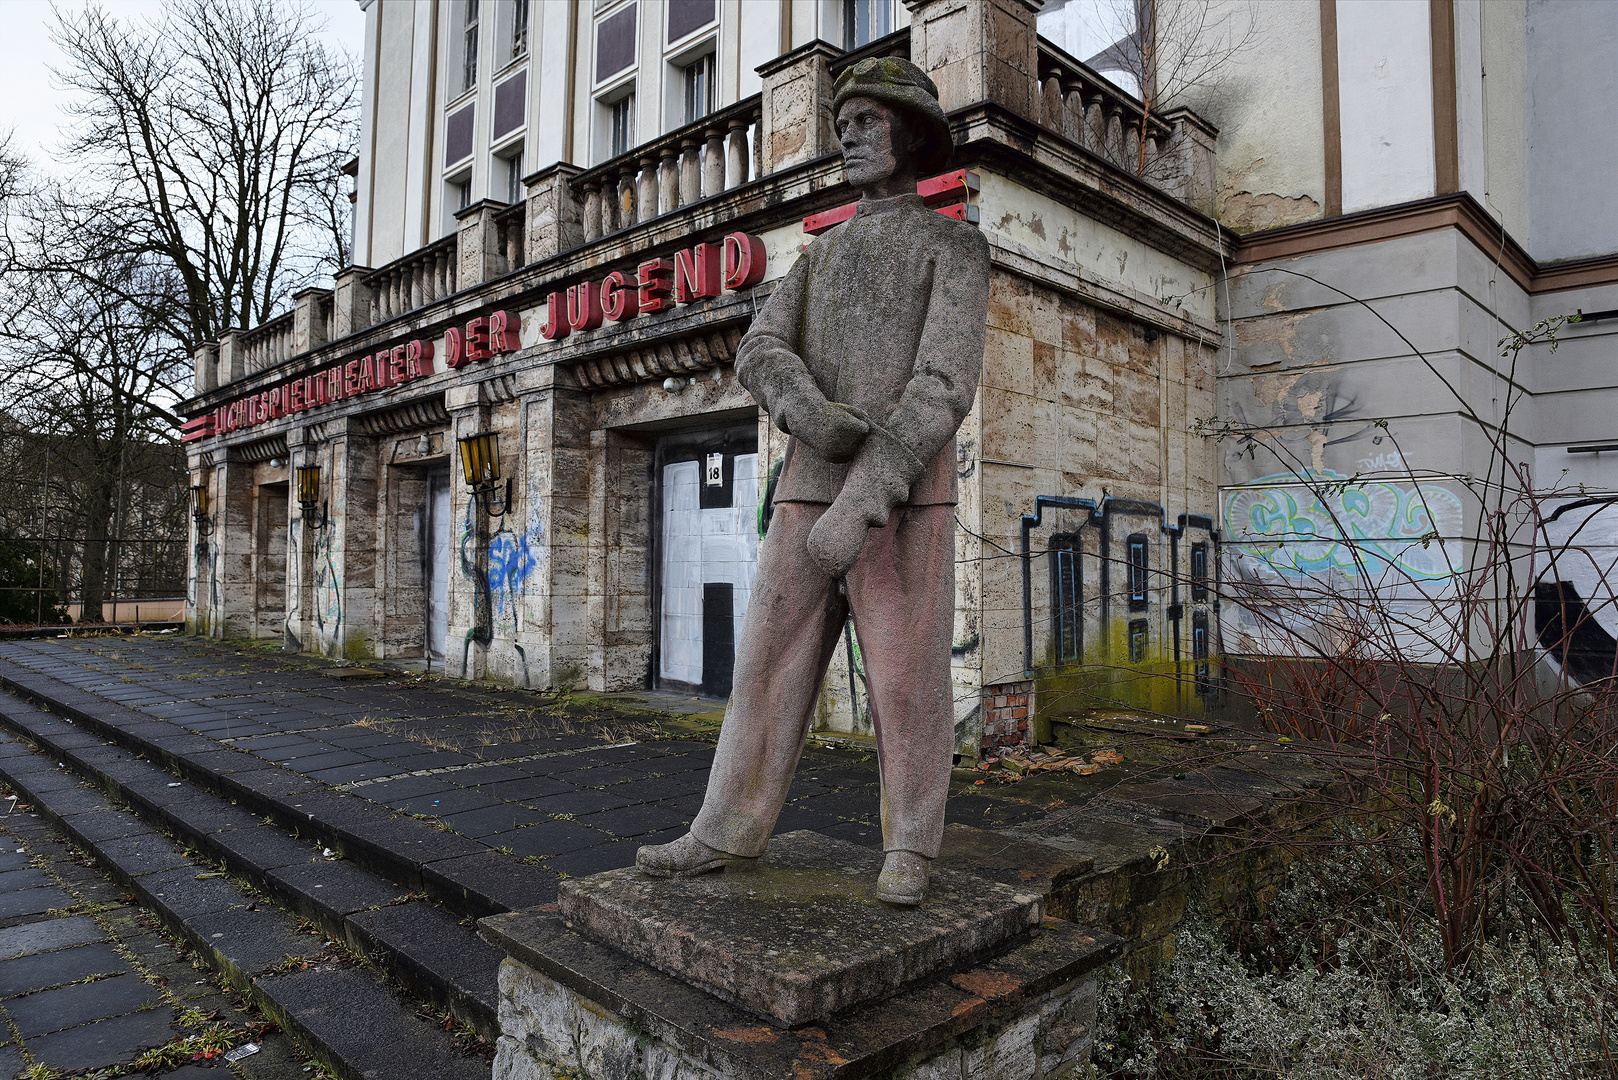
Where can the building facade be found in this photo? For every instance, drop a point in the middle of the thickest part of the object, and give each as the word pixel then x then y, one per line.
pixel 568 213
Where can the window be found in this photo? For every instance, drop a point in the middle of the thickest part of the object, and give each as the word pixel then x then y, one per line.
pixel 1067 594
pixel 461 192
pixel 519 28
pixel 1137 641
pixel 623 126
pixel 511 176
pixel 699 88
pixel 1199 571
pixel 688 15
pixel 866 20
pixel 615 43
pixel 1137 573
pixel 469 46
pixel 1199 650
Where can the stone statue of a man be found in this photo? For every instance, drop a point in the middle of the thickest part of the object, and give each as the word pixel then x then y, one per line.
pixel 868 356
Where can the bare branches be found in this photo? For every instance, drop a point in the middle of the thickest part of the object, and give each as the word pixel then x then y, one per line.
pixel 210 142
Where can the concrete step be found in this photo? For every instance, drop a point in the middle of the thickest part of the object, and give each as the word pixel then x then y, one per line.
pixel 385 916
pixel 340 1011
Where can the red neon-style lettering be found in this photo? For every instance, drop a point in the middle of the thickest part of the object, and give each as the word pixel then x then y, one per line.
pixel 454 350
pixel 419 359
pixel 584 306
pixel 505 332
pixel 744 261
pixel 696 273
pixel 619 299
pixel 554 327
pixel 654 281
pixel 396 366
pixel 477 339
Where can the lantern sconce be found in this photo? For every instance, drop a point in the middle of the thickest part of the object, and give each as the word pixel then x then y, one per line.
pixel 199 509
pixel 480 461
pixel 309 496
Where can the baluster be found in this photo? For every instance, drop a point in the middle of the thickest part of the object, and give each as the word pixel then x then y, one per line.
pixel 713 163
pixel 451 272
pixel 1154 151
pixel 756 130
pixel 1131 160
pixel 1114 145
pixel 648 189
pixel 668 178
pixel 1073 110
pixel 1051 105
pixel 1095 124
pixel 626 199
pixel 592 212
pixel 738 150
pixel 690 176
pixel 513 244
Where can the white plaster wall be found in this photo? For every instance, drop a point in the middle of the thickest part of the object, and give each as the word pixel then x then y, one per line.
pixel 717 544
pixel 550 38
pixel 1504 30
pixel 365 204
pixel 1271 166
pixel 1385 90
pixel 1572 140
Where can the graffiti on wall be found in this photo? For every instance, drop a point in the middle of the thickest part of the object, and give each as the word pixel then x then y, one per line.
pixel 1576 596
pixel 290 624
pixel 1324 522
pixel 326 604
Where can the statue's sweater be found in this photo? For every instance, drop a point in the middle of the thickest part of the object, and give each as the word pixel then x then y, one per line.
pixel 884 314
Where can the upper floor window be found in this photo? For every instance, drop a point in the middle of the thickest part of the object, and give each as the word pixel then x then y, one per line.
pixel 469 46
pixel 519 29
pixel 688 15
pixel 510 175
pixel 615 43
pixel 866 20
pixel 622 135
pixel 1137 572
pixel 699 92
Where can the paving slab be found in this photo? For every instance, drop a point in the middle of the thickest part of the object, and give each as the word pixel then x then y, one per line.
pixel 107 1042
pixel 79 1003
pixel 28 973
pixel 776 939
pixel 44 937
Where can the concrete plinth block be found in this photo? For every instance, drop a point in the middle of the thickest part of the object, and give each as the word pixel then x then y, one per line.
pixel 802 936
pixel 572 1006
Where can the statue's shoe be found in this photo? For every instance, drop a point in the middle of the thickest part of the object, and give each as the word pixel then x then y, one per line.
pixel 903 880
pixel 686 857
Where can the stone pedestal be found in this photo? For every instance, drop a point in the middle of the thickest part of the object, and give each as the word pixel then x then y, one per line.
pixel 973 983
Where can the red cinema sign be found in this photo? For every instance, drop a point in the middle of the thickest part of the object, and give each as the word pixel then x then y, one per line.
pixel 483 337
pixel 696 273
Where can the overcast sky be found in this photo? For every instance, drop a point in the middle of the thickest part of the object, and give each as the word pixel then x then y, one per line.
pixel 30 96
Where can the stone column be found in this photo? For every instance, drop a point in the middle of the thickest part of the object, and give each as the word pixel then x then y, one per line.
pixel 797 125
pixel 351 302
pixel 557 470
pixel 303 541
pixel 230 550
pixel 350 488
pixel 1189 159
pixel 555 215
pixel 308 322
pixel 206 358
pixel 471 620
pixel 198 590
pixel 978 50
pixel 479 254
pixel 232 357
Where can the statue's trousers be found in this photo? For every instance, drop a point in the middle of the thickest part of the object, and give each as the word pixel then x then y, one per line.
pixel 902 596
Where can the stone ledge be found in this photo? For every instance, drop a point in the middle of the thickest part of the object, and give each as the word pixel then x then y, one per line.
pixel 570 1003
pixel 801 936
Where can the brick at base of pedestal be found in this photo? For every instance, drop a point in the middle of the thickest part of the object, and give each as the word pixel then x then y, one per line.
pixel 571 1007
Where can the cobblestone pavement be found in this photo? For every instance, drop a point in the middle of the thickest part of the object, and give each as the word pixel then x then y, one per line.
pixel 88 984
pixel 571 783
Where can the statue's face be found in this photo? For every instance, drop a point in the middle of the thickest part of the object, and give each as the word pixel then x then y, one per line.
pixel 874 138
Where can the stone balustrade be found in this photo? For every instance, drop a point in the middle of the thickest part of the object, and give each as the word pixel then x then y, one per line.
pixel 701 160
pixel 769 132
pixel 424 275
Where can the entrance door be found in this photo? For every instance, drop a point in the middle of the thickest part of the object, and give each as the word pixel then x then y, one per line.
pixel 439 531
pixel 709 545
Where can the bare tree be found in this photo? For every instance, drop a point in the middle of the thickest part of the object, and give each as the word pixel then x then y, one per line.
pixel 209 142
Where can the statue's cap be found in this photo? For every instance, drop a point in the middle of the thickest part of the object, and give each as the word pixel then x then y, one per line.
pixel 895 81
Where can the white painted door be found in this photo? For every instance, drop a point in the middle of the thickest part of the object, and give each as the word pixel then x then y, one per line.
pixel 439 511
pixel 705 547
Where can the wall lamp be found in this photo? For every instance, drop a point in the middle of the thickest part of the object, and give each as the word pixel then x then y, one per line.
pixel 309 496
pixel 480 461
pixel 199 509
